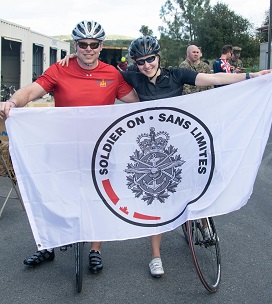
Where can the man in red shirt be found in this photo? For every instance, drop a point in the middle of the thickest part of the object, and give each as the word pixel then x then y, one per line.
pixel 86 82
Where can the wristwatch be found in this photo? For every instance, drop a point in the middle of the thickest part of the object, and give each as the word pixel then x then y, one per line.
pixel 247 75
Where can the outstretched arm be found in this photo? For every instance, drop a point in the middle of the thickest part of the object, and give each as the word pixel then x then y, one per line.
pixel 203 79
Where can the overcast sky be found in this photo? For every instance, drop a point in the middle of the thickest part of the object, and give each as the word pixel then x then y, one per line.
pixel 124 17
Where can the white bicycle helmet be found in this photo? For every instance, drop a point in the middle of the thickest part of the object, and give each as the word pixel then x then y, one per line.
pixel 88 29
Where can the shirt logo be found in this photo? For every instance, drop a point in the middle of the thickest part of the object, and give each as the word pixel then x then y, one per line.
pixel 103 83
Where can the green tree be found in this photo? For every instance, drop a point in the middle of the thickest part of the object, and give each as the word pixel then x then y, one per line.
pixel 221 26
pixel 193 12
pixel 196 22
pixel 182 18
pixel 173 20
pixel 146 31
pixel 172 51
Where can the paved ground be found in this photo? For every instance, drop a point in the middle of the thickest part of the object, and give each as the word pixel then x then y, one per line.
pixel 245 238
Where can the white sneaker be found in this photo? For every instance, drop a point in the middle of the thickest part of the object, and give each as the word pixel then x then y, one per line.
pixel 156 268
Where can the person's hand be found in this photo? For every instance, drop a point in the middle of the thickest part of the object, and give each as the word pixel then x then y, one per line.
pixel 238 70
pixel 256 74
pixel 5 107
pixel 65 60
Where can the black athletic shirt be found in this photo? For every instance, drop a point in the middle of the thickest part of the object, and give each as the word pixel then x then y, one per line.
pixel 168 84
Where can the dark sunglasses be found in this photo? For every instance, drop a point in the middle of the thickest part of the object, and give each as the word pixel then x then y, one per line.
pixel 148 60
pixel 92 45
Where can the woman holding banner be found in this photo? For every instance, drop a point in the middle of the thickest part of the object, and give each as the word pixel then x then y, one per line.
pixel 154 82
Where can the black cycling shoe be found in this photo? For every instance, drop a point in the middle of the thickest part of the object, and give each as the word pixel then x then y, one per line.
pixel 39 257
pixel 95 261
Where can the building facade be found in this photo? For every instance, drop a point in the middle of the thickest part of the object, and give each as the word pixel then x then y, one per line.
pixel 264 56
pixel 25 54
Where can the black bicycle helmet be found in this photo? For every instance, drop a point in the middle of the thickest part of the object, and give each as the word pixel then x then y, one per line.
pixel 143 46
pixel 88 29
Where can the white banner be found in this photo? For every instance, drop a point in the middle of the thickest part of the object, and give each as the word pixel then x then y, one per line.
pixel 128 171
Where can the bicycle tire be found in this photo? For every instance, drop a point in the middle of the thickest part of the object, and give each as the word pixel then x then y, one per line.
pixel 206 253
pixel 79 265
pixel 184 229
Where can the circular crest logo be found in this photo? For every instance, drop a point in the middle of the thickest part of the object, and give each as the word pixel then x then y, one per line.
pixel 149 165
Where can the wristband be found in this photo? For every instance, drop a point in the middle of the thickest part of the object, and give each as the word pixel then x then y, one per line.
pixel 247 76
pixel 13 102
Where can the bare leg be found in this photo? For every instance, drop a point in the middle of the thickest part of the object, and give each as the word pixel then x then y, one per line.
pixel 155 265
pixel 96 246
pixel 204 222
pixel 156 243
pixel 207 234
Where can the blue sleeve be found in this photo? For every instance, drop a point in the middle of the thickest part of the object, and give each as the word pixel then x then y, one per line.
pixel 217 67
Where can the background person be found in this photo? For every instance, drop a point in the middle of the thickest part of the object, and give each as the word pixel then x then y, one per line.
pixel 193 62
pixel 222 64
pixel 122 64
pixel 86 82
pixel 235 60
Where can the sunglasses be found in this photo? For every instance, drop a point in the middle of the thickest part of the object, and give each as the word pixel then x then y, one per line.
pixel 92 45
pixel 148 60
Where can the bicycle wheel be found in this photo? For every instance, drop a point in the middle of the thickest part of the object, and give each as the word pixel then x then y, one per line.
pixel 206 252
pixel 79 265
pixel 184 229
